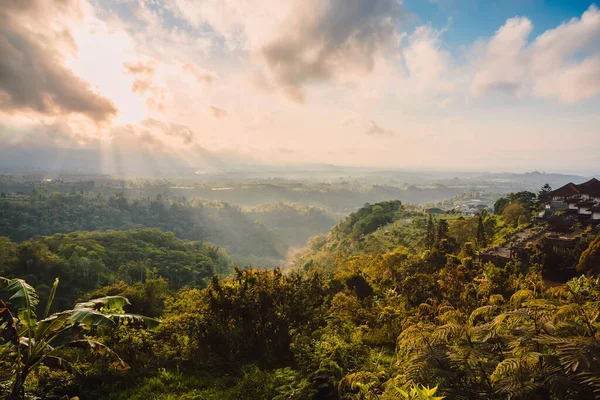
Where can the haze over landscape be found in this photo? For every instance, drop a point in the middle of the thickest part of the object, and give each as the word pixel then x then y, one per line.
pixel 299 199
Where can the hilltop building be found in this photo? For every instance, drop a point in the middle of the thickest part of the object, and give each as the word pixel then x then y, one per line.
pixel 581 201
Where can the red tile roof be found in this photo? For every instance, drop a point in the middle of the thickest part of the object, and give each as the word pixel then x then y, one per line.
pixel 590 188
pixel 568 190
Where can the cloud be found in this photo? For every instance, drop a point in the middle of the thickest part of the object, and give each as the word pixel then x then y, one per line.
pixel 376 130
pixel 503 65
pixel 35 37
pixel 144 74
pixel 141 68
pixel 183 132
pixel 428 65
pixel 323 38
pixel 562 63
pixel 144 84
pixel 241 25
pixel 565 61
pixel 218 112
pixel 56 134
pixel 202 75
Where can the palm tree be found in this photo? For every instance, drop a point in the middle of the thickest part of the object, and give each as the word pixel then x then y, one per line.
pixel 28 343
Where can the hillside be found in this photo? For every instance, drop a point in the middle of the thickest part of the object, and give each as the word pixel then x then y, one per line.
pixel 390 301
pixel 294 224
pixel 24 216
pixel 85 261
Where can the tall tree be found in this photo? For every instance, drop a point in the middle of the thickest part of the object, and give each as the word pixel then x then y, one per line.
pixel 500 205
pixel 544 193
pixel 442 230
pixel 481 237
pixel 430 233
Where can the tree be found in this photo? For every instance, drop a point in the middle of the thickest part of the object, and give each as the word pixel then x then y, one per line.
pixel 463 230
pixel 526 198
pixel 481 237
pixel 34 343
pixel 430 233
pixel 590 258
pixel 544 193
pixel 500 205
pixel 442 231
pixel 513 212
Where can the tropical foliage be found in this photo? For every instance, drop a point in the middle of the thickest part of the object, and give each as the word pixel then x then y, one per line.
pixel 90 260
pixel 27 343
pixel 41 213
pixel 390 304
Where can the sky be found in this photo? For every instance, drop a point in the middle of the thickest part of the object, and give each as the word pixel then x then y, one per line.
pixel 158 85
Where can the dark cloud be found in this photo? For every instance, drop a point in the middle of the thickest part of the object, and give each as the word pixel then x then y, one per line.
pixel 330 35
pixel 376 130
pixel 218 112
pixel 32 71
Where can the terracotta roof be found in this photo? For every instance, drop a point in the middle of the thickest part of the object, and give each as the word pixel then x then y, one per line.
pixel 568 190
pixel 591 187
pixel 573 200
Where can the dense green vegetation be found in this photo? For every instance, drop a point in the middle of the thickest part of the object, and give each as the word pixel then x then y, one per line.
pixel 260 236
pixel 390 304
pixel 29 343
pixel 86 261
pixel 24 216
pixel 293 224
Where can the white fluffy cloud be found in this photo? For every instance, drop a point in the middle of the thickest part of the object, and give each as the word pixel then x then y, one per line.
pixel 565 61
pixel 562 63
pixel 429 66
pixel 503 64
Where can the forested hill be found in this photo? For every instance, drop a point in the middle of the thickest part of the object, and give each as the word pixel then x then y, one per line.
pixel 390 304
pixel 25 216
pixel 86 261
pixel 373 229
pixel 294 224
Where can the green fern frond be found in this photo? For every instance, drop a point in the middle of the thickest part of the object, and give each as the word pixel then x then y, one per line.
pixel 520 296
pixel 448 332
pixel 485 312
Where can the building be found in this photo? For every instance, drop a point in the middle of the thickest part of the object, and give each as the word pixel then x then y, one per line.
pixel 435 210
pixel 582 200
pixel 596 213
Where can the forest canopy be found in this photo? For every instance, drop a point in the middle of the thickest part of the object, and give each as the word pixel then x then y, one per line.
pixel 392 303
